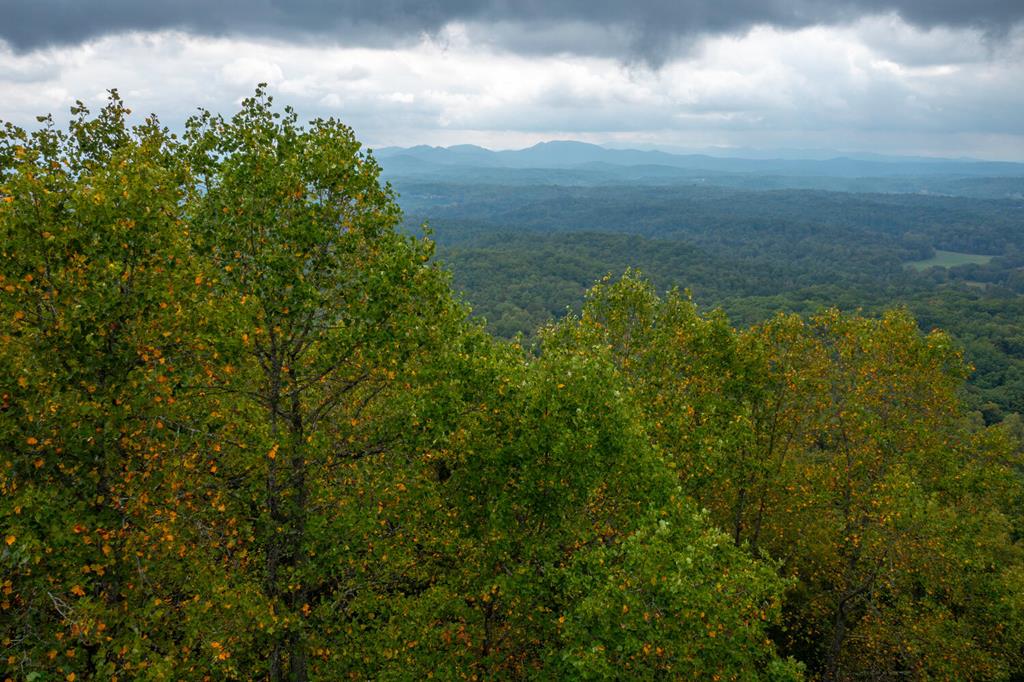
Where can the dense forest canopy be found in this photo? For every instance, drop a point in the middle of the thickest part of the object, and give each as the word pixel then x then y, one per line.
pixel 524 254
pixel 249 432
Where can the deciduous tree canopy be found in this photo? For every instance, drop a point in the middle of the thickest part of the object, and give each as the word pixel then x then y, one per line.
pixel 249 433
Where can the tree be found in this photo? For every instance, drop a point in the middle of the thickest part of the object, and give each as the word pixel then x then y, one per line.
pixel 212 355
pixel 93 258
pixel 838 446
pixel 577 555
pixel 319 312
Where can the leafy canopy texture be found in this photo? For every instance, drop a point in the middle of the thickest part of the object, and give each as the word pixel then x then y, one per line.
pixel 248 432
pixel 836 446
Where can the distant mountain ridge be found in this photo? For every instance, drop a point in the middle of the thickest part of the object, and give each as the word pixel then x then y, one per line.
pixel 572 155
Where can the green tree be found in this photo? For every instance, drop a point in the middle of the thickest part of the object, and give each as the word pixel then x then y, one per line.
pixel 838 446
pixel 93 255
pixel 319 313
pixel 577 556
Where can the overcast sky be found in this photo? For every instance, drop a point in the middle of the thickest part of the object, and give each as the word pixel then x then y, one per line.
pixel 934 77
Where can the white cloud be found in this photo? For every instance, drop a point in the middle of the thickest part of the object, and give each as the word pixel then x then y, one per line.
pixel 247 70
pixel 878 84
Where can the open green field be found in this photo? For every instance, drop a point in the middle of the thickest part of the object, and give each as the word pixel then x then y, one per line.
pixel 949 259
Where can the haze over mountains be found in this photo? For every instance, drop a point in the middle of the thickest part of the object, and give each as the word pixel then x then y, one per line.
pixel 580 163
pixel 571 154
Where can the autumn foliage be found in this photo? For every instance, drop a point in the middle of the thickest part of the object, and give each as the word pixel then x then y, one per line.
pixel 249 433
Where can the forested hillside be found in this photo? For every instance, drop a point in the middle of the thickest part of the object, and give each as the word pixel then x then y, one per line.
pixel 524 254
pixel 249 431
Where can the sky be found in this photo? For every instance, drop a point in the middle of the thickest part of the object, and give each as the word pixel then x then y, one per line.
pixel 923 77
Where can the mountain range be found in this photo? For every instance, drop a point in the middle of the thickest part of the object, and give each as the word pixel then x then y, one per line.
pixel 583 156
pixel 568 163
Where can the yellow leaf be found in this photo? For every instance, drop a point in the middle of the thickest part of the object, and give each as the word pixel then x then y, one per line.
pixel 77 590
pixel 31 440
pixel 11 539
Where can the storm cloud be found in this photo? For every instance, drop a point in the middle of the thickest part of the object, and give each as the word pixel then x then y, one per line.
pixel 901 76
pixel 642 29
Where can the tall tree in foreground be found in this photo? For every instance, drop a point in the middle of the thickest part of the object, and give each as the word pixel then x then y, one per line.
pixel 838 446
pixel 579 556
pixel 319 314
pixel 94 254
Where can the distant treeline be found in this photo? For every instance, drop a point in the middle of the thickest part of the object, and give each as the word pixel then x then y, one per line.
pixel 524 255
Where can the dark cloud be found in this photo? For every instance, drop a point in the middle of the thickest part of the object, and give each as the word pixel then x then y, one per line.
pixel 641 28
